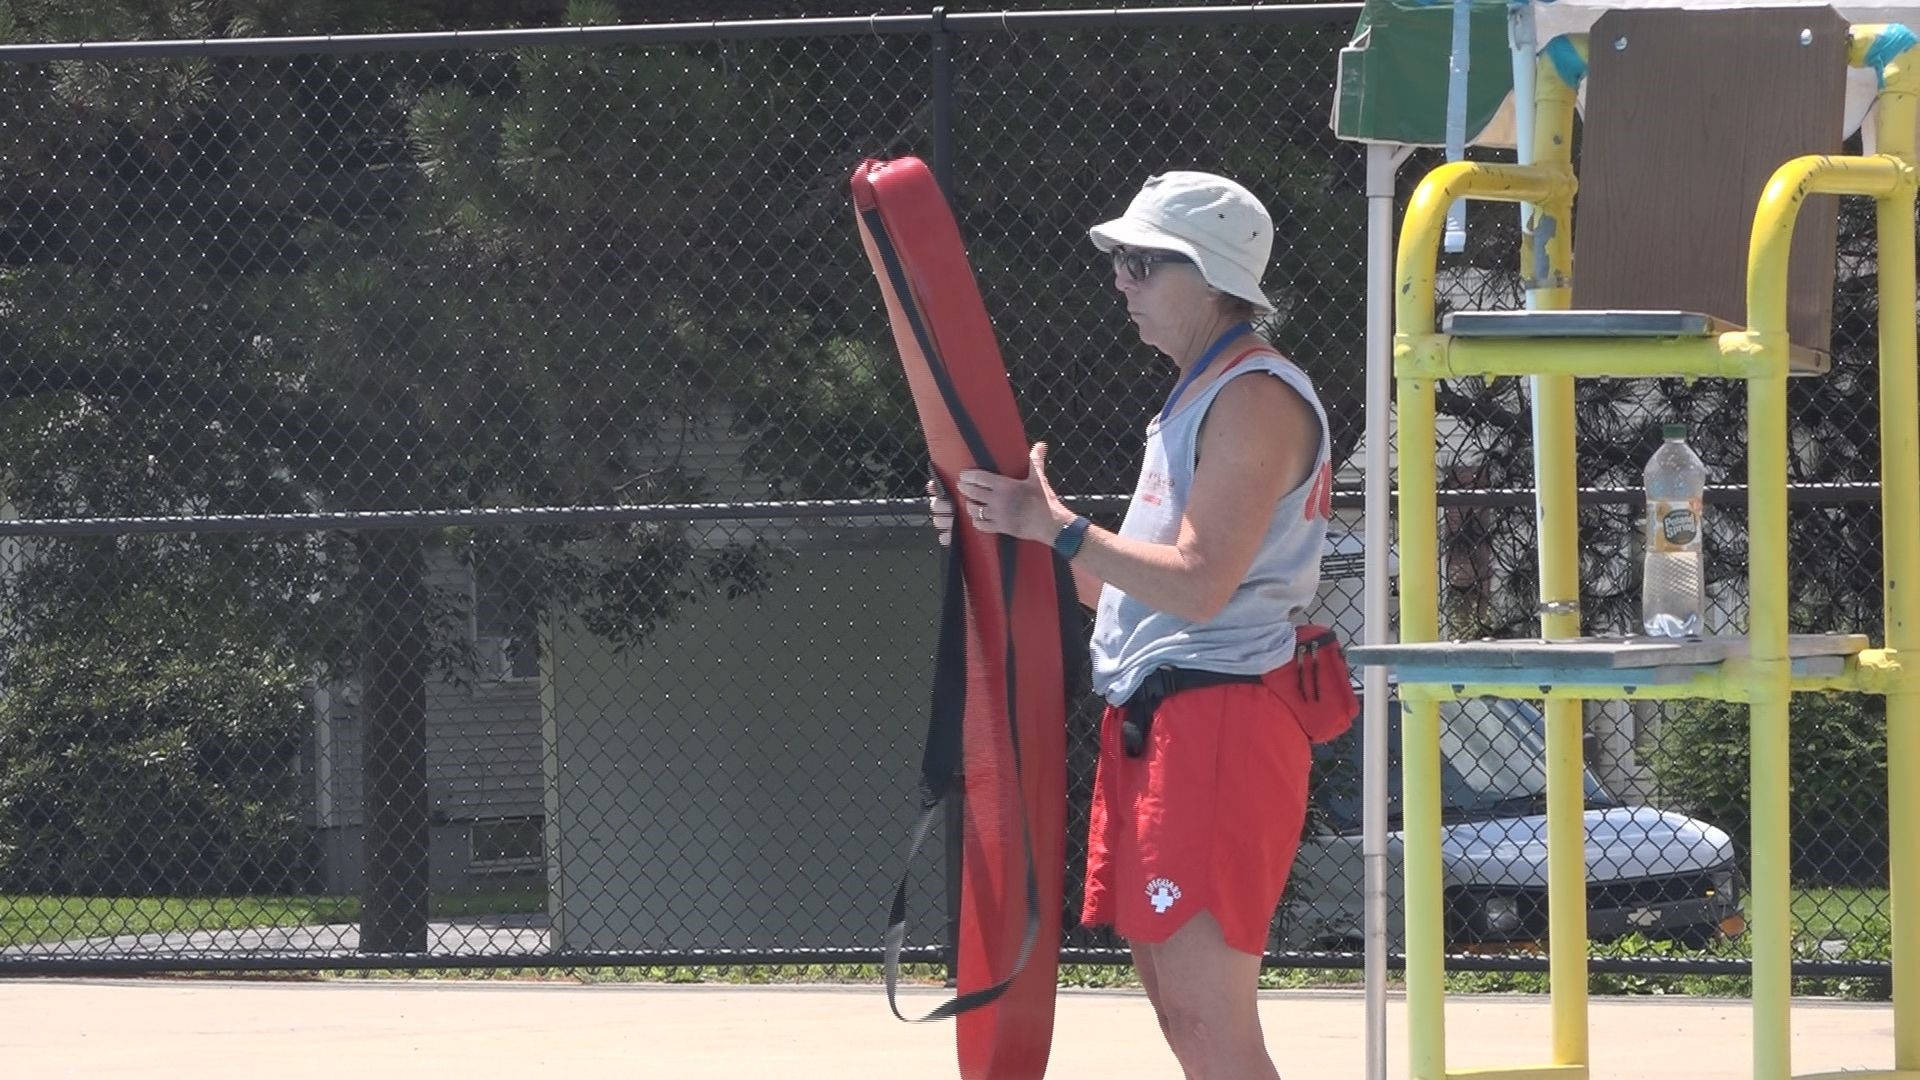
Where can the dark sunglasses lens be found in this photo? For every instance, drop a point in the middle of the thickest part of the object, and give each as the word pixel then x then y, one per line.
pixel 1131 263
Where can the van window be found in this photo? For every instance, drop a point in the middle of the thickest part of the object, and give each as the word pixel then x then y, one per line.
pixel 1492 764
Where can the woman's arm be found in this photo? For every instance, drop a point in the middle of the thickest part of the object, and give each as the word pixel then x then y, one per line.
pixel 1260 441
pixel 1085 584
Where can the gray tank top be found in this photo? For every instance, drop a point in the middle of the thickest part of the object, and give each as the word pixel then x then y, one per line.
pixel 1254 632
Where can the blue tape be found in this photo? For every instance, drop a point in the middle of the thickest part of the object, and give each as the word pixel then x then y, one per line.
pixel 1887 47
pixel 1567 61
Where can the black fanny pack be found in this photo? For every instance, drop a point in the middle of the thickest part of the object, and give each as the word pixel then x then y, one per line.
pixel 1320 690
pixel 1159 685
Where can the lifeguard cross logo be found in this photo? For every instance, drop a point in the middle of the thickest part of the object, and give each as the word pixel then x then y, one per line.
pixel 1161 893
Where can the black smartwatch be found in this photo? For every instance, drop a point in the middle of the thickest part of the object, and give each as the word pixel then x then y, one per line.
pixel 1067 543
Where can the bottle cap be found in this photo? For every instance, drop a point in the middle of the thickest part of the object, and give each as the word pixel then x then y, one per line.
pixel 1673 431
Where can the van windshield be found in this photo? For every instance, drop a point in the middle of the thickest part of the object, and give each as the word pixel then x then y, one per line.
pixel 1492 765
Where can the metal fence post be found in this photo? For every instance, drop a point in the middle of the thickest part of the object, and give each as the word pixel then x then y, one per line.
pixel 941 69
pixel 942 72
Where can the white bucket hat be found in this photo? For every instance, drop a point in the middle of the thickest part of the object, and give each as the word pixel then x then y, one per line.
pixel 1209 219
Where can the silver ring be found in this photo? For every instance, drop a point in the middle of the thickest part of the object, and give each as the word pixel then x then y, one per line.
pixel 980 513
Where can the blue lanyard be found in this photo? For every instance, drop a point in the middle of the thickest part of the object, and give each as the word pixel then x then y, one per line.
pixel 1213 352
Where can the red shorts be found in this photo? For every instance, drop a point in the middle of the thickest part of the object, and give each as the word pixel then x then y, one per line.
pixel 1208 818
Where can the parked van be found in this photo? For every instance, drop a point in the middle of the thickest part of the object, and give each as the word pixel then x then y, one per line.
pixel 1649 871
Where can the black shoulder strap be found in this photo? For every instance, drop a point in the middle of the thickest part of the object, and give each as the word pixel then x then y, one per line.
pixel 939 765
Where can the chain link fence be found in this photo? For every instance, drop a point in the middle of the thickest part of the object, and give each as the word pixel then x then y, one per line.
pixel 465 508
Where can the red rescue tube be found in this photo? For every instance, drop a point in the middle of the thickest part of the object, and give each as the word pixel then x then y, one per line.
pixel 1014 726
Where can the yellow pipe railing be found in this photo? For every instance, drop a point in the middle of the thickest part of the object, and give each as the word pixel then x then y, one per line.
pixel 1764 679
pixel 1420 743
pixel 1546 266
pixel 1897 109
pixel 1436 356
pixel 1889 180
pixel 1818 174
pixel 1416 262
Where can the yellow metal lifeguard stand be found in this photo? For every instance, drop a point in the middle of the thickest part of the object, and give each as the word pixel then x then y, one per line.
pixel 1763 668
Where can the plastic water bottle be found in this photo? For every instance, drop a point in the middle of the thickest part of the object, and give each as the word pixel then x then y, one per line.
pixel 1671 592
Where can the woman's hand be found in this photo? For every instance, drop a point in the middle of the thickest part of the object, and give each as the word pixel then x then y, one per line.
pixel 1027 509
pixel 941 510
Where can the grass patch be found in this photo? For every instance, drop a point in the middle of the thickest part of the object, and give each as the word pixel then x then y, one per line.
pixel 27 920
pixel 530 900
pixel 1842 914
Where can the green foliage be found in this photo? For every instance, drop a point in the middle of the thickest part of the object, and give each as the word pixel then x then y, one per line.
pixel 1839 796
pixel 362 282
pixel 140 756
pixel 1650 982
pixel 1108 109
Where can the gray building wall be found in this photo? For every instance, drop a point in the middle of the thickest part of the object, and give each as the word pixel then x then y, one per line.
pixel 483 765
pixel 484 739
pixel 747 777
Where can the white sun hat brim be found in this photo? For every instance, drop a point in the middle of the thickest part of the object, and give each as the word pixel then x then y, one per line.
pixel 1218 269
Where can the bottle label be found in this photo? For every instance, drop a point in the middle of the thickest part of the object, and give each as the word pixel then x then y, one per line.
pixel 1675 525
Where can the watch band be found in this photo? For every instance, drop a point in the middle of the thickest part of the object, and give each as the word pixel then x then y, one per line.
pixel 1072 534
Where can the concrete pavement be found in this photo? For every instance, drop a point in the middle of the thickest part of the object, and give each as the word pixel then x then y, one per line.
pixel 348 1029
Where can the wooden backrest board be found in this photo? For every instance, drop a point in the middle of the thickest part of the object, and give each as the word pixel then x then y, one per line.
pixel 1687 115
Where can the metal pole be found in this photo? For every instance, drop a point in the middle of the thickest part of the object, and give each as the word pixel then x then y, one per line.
pixel 942 70
pixel 940 67
pixel 1383 164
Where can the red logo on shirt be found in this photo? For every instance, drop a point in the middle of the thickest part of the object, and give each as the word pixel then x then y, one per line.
pixel 1155 488
pixel 1320 497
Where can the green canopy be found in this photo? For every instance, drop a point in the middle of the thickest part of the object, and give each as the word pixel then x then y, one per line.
pixel 1393 75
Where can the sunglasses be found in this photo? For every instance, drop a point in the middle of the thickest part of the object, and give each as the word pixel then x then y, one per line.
pixel 1138 263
